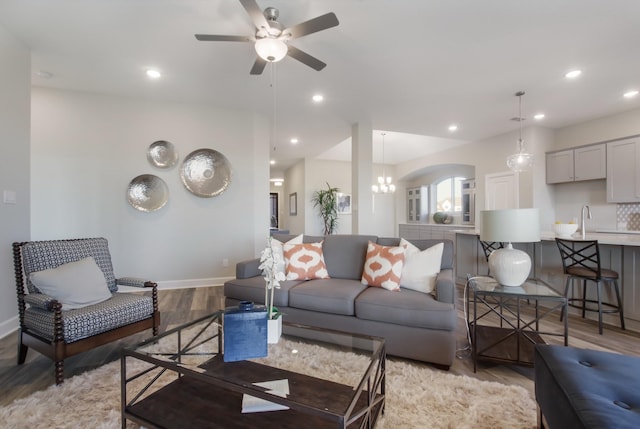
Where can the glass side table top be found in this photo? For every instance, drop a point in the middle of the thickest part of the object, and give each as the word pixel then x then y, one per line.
pixel 531 288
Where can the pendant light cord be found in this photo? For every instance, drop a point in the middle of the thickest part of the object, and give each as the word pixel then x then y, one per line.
pixel 384 174
pixel 274 126
pixel 520 119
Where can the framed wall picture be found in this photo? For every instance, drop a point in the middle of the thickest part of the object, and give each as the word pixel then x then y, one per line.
pixel 344 203
pixel 293 204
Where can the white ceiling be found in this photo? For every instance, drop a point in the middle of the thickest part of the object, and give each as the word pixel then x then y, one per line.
pixel 407 66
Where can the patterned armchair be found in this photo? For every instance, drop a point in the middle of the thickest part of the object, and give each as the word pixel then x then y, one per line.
pixel 59 329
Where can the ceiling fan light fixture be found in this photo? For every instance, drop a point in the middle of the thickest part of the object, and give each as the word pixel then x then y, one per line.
pixel 271 49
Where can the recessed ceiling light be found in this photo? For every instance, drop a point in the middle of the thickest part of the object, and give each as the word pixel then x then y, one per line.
pixel 573 74
pixel 294 140
pixel 630 94
pixel 538 116
pixel 272 162
pixel 318 98
pixel 277 183
pixel 453 127
pixel 153 74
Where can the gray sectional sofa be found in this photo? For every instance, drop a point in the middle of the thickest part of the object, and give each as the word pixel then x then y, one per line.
pixel 416 325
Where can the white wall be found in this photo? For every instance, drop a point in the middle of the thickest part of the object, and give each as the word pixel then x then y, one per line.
pixel 310 175
pixel 612 127
pixel 86 148
pixel 15 84
pixel 294 182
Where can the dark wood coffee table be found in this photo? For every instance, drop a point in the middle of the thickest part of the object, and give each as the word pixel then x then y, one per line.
pixel 179 379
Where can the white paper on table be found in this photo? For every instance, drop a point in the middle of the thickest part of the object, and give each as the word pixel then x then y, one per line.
pixel 251 404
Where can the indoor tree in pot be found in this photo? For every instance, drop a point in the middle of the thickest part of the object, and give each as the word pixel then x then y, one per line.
pixel 327 202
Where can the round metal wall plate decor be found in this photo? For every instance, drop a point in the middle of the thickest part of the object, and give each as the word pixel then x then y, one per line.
pixel 206 172
pixel 147 193
pixel 162 154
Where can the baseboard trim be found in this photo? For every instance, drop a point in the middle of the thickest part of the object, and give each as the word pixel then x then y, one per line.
pixel 192 283
pixel 9 326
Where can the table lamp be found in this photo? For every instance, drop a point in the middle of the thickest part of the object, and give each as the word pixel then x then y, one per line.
pixel 509 266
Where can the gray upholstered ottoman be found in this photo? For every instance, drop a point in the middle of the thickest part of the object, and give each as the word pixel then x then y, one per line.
pixel 578 388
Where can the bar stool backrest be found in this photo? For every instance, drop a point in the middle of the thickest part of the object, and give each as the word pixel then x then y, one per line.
pixel 489 246
pixel 580 257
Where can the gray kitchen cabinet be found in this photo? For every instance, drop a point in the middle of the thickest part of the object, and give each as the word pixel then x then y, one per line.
pixel 623 162
pixel 574 165
pixel 631 283
pixel 560 167
pixel 409 232
pixel 468 252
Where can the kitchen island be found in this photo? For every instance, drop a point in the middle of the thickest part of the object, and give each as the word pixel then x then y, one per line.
pixel 619 252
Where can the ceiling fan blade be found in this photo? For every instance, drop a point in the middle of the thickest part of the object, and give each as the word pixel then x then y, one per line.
pixel 255 13
pixel 216 38
pixel 258 66
pixel 313 25
pixel 305 58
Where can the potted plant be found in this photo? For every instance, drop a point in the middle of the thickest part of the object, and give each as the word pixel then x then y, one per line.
pixel 327 202
pixel 269 261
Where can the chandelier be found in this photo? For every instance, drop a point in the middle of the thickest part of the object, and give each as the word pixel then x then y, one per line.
pixel 521 160
pixel 384 184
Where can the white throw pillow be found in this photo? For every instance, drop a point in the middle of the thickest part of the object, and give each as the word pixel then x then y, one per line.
pixel 278 252
pixel 421 268
pixel 75 285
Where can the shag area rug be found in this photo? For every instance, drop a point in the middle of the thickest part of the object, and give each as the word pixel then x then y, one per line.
pixel 417 396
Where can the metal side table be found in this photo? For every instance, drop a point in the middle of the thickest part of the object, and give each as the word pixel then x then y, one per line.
pixel 500 330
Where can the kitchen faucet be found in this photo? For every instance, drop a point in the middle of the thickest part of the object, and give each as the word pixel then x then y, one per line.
pixel 582 226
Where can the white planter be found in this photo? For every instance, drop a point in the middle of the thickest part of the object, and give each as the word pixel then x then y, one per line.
pixel 274 330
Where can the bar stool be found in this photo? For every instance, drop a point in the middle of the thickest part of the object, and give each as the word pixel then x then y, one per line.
pixel 581 261
pixel 488 247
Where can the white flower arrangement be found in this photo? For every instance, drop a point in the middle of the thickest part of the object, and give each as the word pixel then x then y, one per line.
pixel 268 262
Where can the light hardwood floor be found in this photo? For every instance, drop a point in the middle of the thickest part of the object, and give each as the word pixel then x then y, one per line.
pixel 182 305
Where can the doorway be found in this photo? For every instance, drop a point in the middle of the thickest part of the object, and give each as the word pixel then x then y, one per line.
pixel 273 210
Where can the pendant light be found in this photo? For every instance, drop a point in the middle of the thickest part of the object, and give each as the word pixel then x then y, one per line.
pixel 521 160
pixel 384 184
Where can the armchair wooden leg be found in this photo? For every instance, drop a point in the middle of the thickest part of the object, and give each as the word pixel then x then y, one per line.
pixel 59 371
pixel 22 349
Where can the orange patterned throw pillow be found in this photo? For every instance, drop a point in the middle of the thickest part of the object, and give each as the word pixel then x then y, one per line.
pixel 304 261
pixel 383 266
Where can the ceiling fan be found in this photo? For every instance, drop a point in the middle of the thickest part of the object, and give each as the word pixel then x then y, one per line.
pixel 271 37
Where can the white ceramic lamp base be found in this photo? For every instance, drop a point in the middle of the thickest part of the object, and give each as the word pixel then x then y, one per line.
pixel 509 266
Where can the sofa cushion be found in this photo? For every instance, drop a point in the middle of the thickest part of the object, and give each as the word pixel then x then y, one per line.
pixel 278 252
pixel 40 255
pixel 252 289
pixel 383 266
pixel 447 252
pixel 345 255
pixel 406 307
pixel 421 267
pixel 334 296
pixel 119 310
pixel 304 261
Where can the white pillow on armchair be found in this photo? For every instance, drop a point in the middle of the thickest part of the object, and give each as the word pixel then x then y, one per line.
pixel 75 284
